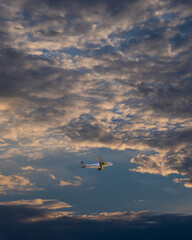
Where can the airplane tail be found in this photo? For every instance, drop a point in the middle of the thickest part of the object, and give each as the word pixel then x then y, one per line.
pixel 83 164
pixel 101 163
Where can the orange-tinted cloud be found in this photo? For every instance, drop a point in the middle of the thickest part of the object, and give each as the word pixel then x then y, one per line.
pixel 76 183
pixel 15 182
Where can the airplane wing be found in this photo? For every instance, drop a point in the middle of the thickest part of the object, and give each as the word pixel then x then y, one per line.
pixel 101 163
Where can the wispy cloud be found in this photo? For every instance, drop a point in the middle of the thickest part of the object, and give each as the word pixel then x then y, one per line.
pixel 120 216
pixel 40 203
pixel 27 168
pixel 53 177
pixel 45 207
pixel 187 181
pixel 15 182
pixel 76 183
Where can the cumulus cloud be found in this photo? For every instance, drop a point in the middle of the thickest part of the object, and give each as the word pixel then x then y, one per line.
pixel 177 161
pixel 154 164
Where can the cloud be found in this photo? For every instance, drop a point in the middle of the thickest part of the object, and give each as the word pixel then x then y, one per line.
pixel 40 203
pixel 46 209
pixel 139 201
pixel 53 177
pixel 76 183
pixel 27 168
pixel 120 216
pixel 15 182
pixel 177 161
pixel 187 181
pixel 154 164
pixel 92 74
pixel 14 223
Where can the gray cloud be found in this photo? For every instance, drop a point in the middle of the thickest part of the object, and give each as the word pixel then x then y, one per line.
pixel 135 225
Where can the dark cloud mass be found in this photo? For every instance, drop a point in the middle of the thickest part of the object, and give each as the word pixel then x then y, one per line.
pixel 143 225
pixel 87 74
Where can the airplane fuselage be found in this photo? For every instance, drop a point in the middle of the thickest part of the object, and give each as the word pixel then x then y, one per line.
pixel 97 165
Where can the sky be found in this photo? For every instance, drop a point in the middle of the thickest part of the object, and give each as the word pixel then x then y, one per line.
pixel 84 78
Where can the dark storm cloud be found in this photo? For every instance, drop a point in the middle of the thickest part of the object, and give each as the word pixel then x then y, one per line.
pixel 13 225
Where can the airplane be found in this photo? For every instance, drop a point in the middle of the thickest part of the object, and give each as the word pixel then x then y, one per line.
pixel 100 166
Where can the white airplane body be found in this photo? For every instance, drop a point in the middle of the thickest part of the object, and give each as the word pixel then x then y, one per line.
pixel 99 166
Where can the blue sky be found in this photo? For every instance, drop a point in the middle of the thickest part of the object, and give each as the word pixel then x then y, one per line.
pixel 84 78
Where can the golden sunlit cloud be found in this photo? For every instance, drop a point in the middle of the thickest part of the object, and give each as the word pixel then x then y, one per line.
pixel 53 177
pixel 27 168
pixel 39 203
pixel 186 181
pixel 125 216
pixel 15 182
pixel 76 183
pixel 46 205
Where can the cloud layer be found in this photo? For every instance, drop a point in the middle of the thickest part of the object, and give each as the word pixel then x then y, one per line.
pixel 14 223
pixel 89 74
